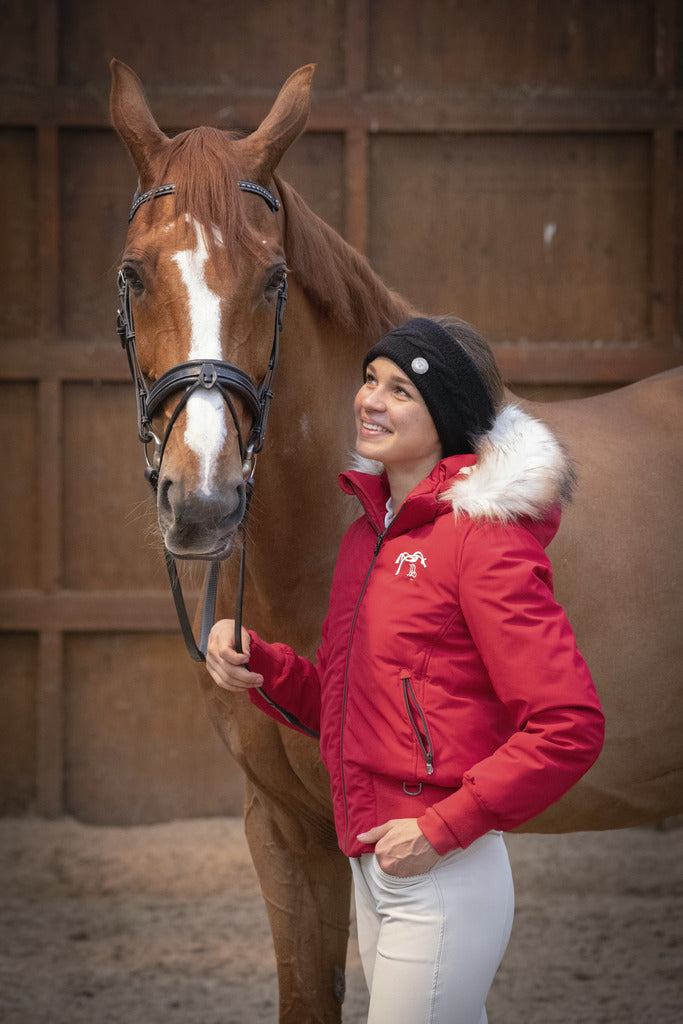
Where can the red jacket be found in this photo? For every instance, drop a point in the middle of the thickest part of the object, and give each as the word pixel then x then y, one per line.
pixel 448 686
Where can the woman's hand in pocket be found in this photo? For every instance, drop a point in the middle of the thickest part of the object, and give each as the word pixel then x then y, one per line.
pixel 401 848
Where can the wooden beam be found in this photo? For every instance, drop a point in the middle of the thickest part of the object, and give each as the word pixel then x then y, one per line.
pixel 549 363
pixel 50 726
pixel 566 362
pixel 90 611
pixel 50 481
pixel 481 110
pixel 664 180
pixel 666 42
pixel 50 695
pixel 63 360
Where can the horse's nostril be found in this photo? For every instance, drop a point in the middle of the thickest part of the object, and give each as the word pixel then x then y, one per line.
pixel 163 494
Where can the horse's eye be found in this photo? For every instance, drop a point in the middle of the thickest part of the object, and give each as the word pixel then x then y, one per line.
pixel 133 278
pixel 275 279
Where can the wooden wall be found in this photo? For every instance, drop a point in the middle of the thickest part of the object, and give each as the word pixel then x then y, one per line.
pixel 517 162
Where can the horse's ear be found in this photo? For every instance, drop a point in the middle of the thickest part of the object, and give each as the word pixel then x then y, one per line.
pixel 134 121
pixel 285 122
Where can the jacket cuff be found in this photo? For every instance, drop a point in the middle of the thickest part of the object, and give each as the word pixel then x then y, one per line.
pixel 456 822
pixel 264 659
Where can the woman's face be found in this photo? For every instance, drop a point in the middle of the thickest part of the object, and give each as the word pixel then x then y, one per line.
pixel 393 424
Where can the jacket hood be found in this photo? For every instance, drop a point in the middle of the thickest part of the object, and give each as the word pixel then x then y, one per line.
pixel 519 471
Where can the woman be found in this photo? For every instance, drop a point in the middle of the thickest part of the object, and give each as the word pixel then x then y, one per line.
pixel 451 700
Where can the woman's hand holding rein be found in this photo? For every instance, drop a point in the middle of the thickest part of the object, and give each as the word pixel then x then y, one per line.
pixel 227 667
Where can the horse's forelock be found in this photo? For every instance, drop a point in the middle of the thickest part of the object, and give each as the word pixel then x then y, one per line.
pixel 201 165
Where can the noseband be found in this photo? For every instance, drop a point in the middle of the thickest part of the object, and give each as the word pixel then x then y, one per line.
pixel 194 374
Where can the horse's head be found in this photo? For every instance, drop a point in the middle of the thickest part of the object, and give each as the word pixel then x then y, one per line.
pixel 202 277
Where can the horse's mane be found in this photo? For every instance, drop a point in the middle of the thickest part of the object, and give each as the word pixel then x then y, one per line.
pixel 337 280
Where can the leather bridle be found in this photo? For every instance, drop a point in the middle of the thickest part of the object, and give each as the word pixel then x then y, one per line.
pixel 188 377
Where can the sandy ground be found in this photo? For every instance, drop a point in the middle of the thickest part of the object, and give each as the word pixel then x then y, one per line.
pixel 166 924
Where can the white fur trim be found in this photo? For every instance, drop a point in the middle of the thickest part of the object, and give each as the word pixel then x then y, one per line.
pixel 521 470
pixel 362 465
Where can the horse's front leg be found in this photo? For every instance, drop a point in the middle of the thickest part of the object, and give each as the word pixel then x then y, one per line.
pixel 306 883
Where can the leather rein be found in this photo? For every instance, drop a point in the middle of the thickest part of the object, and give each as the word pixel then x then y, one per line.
pixel 189 377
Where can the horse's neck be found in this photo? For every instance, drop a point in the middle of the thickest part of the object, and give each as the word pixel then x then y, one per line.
pixel 299 514
pixel 345 292
pixel 337 308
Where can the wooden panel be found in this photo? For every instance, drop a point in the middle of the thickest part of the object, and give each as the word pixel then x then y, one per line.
pixel 20 548
pixel 18 655
pixel 536 238
pixel 138 743
pixel 435 44
pixel 19 22
pixel 253 45
pixel 110 529
pixel 75 611
pixel 19 251
pixel 314 166
pixel 97 183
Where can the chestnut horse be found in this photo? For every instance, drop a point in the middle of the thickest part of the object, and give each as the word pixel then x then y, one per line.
pixel 204 265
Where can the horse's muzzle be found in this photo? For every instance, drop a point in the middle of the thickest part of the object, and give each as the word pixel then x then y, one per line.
pixel 195 525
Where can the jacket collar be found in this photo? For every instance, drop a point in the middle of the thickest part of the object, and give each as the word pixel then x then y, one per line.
pixel 519 471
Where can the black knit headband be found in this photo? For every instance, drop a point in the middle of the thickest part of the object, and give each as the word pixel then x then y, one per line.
pixel 448 380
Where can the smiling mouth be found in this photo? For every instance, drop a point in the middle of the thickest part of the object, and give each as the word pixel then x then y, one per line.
pixel 373 428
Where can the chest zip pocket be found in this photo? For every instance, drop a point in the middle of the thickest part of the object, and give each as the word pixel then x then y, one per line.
pixel 422 734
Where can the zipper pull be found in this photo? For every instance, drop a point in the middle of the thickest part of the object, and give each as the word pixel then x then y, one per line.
pixel 429 757
pixel 380 538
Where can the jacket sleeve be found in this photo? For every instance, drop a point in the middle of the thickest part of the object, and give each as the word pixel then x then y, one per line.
pixel 530 653
pixel 292 682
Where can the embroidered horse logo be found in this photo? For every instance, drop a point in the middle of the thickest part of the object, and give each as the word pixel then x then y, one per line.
pixel 412 561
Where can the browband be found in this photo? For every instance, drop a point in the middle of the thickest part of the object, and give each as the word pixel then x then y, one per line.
pixel 166 190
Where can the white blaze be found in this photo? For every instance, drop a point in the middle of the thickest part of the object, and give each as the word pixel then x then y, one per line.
pixel 205 431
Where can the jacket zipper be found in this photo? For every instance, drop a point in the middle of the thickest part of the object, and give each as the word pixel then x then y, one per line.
pixel 424 742
pixel 378 544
